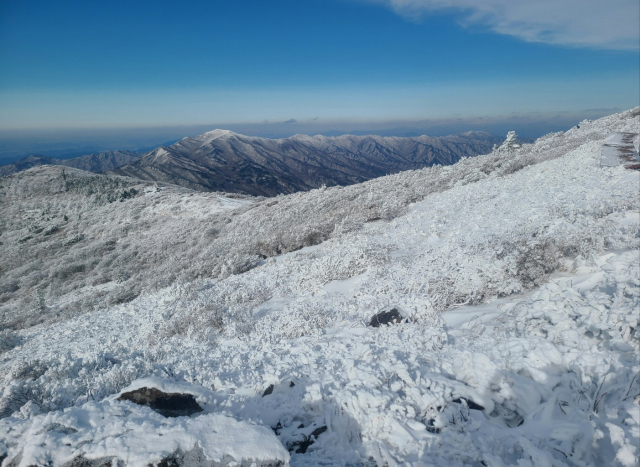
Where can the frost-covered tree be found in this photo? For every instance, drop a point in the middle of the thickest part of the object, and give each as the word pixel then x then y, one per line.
pixel 510 144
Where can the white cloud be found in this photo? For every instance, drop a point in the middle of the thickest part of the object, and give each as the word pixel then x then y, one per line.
pixel 603 24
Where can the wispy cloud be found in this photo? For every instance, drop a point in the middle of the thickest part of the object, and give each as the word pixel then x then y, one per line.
pixel 601 24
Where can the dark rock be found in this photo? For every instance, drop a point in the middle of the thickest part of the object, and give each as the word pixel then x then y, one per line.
pixel 291 384
pixel 51 229
pixel 268 391
pixel 84 462
pixel 166 404
pixel 301 447
pixel 431 426
pixel 173 460
pixel 196 458
pixel 318 431
pixel 386 317
pixel 472 405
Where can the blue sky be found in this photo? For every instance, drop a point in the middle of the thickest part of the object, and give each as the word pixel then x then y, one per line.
pixel 330 64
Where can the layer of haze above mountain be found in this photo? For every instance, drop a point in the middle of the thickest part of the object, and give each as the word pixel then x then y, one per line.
pixel 65 143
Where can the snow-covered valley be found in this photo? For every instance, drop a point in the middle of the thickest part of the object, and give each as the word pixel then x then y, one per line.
pixel 516 274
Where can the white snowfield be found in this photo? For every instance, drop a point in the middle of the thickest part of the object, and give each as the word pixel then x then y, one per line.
pixel 520 289
pixel 137 436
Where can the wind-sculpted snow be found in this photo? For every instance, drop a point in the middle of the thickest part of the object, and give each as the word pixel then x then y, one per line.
pixel 517 274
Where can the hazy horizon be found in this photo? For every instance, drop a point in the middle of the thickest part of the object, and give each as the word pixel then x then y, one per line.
pixel 73 142
pixel 83 77
pixel 330 66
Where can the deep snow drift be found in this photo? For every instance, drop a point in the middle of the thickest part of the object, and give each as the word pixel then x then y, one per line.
pixel 518 277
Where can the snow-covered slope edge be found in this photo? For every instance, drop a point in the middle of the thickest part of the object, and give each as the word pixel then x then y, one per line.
pixel 546 377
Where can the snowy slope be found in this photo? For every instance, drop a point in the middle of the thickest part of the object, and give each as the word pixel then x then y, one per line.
pixel 100 162
pixel 518 274
pixel 72 241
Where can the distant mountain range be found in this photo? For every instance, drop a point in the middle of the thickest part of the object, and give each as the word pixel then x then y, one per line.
pixel 101 162
pixel 221 160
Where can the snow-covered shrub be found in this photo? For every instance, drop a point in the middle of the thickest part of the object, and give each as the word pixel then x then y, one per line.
pixel 536 260
pixel 8 340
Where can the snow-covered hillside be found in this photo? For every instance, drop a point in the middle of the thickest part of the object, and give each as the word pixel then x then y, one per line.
pixel 100 162
pixel 72 241
pixel 517 275
pixel 221 160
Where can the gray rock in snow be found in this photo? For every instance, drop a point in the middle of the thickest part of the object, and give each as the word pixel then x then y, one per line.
pixel 392 316
pixel 166 404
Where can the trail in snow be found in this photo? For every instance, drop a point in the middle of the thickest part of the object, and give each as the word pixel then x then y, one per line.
pixel 621 150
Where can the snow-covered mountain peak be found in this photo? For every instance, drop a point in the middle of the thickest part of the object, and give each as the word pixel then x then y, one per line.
pixel 214 134
pixel 301 137
pixel 193 142
pixel 161 151
pixel 221 160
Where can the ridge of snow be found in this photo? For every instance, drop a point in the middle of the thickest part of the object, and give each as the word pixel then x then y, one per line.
pixel 158 153
pixel 212 135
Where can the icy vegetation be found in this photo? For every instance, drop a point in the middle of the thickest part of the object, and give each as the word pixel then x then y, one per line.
pixel 100 162
pixel 72 241
pixel 516 275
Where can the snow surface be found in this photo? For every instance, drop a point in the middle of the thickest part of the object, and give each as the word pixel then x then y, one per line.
pixel 521 291
pixel 209 136
pixel 137 436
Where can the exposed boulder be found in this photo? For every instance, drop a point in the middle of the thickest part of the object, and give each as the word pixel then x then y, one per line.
pixel 81 461
pixel 392 316
pixel 166 404
pixel 472 405
pixel 302 446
